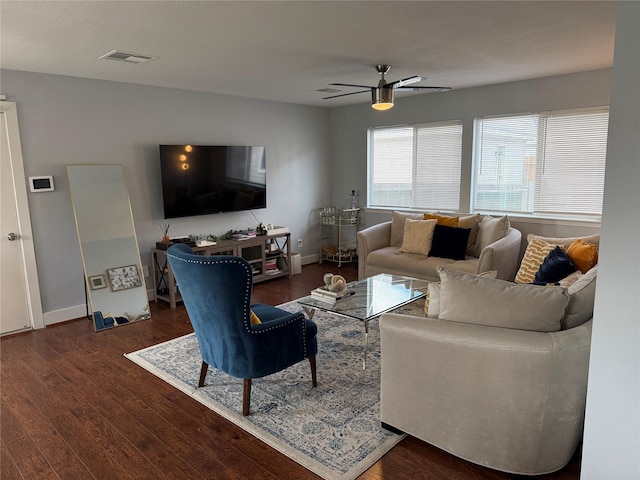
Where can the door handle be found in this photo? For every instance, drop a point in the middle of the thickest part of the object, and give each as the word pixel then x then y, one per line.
pixel 12 236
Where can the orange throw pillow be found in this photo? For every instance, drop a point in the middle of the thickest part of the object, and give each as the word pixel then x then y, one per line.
pixel 443 219
pixel 583 255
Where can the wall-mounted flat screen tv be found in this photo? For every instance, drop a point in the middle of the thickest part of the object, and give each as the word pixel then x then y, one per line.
pixel 201 180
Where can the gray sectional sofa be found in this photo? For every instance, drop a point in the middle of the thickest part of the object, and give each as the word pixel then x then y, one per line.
pixel 497 372
pixel 492 245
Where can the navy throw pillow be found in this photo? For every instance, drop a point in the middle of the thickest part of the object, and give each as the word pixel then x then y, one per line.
pixel 555 267
pixel 449 242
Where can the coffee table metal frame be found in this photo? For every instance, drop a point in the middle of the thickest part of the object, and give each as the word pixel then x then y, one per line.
pixel 373 296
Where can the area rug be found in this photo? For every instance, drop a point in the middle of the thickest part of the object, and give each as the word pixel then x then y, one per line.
pixel 333 430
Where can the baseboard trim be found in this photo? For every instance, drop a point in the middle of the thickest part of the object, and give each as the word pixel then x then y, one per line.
pixel 315 258
pixel 72 313
pixel 64 315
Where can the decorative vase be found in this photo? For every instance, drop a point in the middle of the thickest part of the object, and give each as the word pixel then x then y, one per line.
pixel 166 239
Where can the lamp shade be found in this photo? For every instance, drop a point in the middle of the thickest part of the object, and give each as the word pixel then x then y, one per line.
pixel 382 98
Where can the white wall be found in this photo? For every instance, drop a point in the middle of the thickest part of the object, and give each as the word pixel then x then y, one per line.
pixel 612 426
pixel 349 131
pixel 316 156
pixel 66 120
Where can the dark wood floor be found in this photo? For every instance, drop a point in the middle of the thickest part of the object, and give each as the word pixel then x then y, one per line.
pixel 72 407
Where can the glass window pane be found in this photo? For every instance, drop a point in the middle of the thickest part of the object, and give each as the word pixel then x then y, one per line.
pixel 549 164
pixel 506 151
pixel 390 169
pixel 438 158
pixel 415 166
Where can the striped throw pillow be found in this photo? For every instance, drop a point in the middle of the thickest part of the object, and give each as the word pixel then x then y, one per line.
pixel 534 255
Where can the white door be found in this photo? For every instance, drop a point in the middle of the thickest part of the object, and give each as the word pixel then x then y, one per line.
pixel 19 310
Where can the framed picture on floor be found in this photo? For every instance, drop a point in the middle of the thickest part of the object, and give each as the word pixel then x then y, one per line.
pixel 122 278
pixel 96 282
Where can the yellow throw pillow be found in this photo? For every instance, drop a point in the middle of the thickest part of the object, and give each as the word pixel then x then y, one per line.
pixel 583 255
pixel 418 235
pixel 534 255
pixel 254 319
pixel 443 219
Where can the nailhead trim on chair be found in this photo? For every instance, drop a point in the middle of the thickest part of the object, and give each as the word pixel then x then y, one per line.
pixel 247 299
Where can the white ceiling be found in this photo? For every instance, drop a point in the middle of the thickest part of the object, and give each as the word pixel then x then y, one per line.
pixel 288 50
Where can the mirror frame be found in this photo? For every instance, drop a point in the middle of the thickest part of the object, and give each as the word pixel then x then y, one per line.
pixel 114 278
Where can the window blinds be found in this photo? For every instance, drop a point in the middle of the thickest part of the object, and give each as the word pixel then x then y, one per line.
pixel 548 164
pixel 416 166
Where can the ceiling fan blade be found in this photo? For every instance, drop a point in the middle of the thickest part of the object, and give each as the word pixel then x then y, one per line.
pixel 345 94
pixel 417 89
pixel 405 81
pixel 350 85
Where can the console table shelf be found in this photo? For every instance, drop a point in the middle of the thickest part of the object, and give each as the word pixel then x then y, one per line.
pixel 267 262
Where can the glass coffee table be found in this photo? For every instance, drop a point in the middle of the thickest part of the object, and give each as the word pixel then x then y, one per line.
pixel 373 296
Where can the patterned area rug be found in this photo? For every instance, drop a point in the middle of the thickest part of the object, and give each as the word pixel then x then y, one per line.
pixel 333 430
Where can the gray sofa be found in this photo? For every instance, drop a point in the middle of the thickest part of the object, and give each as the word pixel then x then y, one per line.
pixel 497 375
pixel 379 250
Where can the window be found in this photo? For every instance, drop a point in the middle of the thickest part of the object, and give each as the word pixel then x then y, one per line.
pixel 416 166
pixel 547 164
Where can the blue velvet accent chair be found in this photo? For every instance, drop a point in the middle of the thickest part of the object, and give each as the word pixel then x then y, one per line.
pixel 216 291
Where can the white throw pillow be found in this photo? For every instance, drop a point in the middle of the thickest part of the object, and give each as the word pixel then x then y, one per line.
pixel 581 298
pixel 472 222
pixel 397 226
pixel 432 300
pixel 418 235
pixel 491 230
pixel 484 301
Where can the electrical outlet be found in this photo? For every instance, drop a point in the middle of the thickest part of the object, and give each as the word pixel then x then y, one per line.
pixel 145 270
pixel 299 243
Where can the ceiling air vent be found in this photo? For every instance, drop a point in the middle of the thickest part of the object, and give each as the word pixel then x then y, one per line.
pixel 328 90
pixel 127 57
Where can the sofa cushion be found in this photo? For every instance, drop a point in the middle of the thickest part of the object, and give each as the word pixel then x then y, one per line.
pixel 484 301
pixel 472 222
pixel 397 226
pixel 432 300
pixel 570 279
pixel 583 254
pixel 449 242
pixel 581 298
pixel 534 255
pixel 392 260
pixel 556 266
pixel 566 241
pixel 443 219
pixel 491 230
pixel 418 235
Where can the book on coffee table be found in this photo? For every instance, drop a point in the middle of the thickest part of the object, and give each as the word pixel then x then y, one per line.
pixel 325 295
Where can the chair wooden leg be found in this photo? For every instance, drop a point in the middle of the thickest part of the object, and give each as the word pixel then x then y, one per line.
pixel 203 373
pixel 246 397
pixel 312 361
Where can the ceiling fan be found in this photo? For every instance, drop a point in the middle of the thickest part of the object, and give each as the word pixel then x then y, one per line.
pixel 382 95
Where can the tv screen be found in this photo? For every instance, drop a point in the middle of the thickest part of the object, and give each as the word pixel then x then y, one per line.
pixel 200 180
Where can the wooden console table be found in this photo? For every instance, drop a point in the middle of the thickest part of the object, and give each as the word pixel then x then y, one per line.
pixel 268 255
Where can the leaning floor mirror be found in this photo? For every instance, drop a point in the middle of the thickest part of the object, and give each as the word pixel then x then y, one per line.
pixel 116 293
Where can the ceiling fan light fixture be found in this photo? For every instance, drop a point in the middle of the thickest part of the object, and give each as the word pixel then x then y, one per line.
pixel 382 98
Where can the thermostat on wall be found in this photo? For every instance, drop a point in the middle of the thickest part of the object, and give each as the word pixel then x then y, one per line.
pixel 43 183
